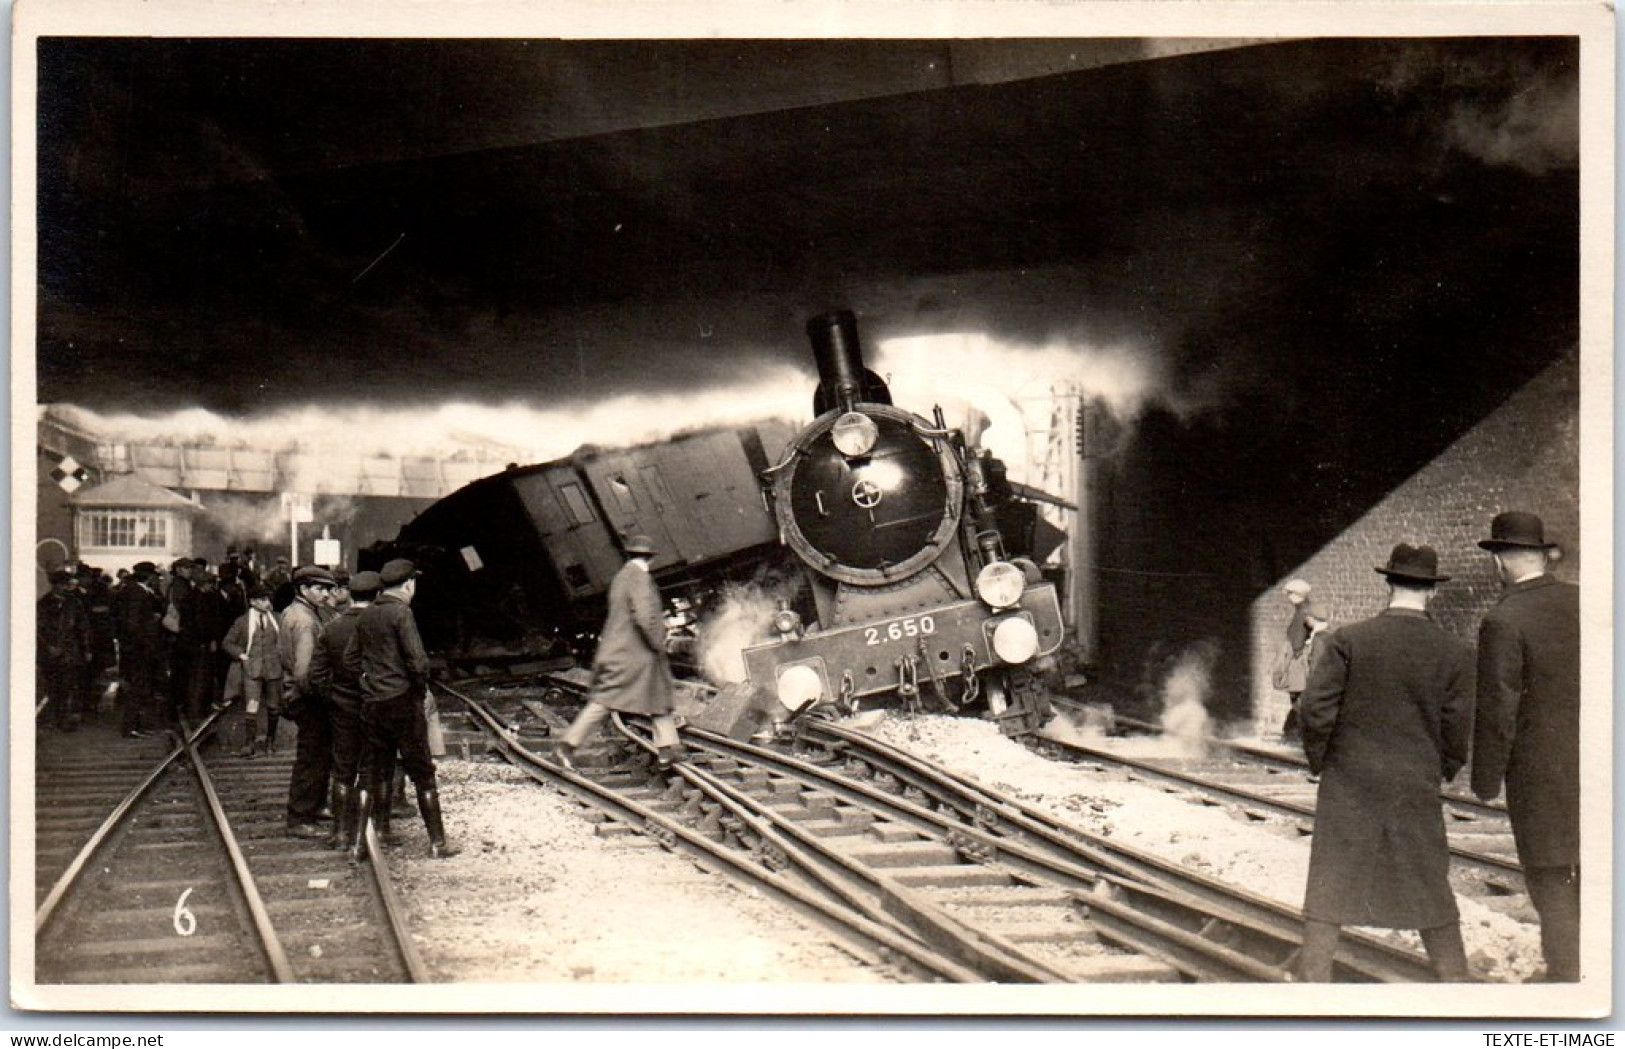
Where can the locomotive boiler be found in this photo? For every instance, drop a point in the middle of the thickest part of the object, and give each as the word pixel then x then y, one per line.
pixel 914 598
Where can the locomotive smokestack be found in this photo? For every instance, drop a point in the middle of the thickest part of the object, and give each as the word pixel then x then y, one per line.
pixel 842 379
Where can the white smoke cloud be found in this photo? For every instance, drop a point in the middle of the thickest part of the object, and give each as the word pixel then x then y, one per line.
pixel 322 445
pixel 1012 385
pixel 242 520
pixel 1184 696
pixel 1537 130
pixel 1088 726
pixel 970 375
pixel 741 617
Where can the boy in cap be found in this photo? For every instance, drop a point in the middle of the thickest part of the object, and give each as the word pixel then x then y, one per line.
pixel 1527 727
pixel 254 643
pixel 394 676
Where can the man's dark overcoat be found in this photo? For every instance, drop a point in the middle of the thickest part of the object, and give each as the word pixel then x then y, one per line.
pixel 630 671
pixel 1527 727
pixel 1385 719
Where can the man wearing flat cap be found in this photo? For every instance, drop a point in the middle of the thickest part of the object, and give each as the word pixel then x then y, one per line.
pixel 302 623
pixel 630 669
pixel 1385 718
pixel 394 672
pixel 62 649
pixel 338 681
pixel 1527 728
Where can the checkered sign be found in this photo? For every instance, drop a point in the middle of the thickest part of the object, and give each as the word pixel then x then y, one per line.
pixel 69 474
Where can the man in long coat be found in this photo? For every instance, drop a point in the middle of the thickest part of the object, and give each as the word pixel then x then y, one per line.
pixel 1527 728
pixel 62 649
pixel 630 670
pixel 1385 719
pixel 138 613
pixel 301 624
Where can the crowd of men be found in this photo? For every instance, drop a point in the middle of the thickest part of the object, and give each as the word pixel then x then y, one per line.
pixel 339 657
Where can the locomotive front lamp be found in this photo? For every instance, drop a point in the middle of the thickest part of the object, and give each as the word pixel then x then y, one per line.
pixel 799 685
pixel 1000 584
pixel 854 434
pixel 1015 641
pixel 786 622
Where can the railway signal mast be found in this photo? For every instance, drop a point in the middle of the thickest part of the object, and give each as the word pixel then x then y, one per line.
pixel 1062 434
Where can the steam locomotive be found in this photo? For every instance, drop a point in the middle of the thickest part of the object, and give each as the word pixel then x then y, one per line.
pixel 896 521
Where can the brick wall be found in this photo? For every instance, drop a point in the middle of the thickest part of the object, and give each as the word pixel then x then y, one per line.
pixel 1523 456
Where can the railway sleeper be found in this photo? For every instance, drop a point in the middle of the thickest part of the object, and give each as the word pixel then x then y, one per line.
pixel 953 876
pixel 886 855
pixel 227 971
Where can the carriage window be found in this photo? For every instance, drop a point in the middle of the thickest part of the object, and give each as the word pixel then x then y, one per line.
pixel 623 494
pixel 576 501
pixel 576 576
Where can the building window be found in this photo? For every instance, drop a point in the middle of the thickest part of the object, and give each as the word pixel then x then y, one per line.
pixel 132 529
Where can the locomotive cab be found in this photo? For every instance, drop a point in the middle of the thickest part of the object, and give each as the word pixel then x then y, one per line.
pixel 916 602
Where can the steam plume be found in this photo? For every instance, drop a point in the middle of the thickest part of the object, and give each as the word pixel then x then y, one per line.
pixel 1184 698
pixel 741 617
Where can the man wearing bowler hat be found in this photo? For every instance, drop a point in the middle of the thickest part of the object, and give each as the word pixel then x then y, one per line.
pixel 394 675
pixel 1527 728
pixel 1385 718
pixel 137 616
pixel 630 671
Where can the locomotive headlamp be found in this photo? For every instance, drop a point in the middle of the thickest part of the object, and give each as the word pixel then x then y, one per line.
pixel 799 685
pixel 786 622
pixel 1000 584
pixel 1015 640
pixel 854 434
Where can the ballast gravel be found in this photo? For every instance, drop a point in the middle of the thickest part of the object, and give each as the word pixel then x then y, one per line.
pixel 540 895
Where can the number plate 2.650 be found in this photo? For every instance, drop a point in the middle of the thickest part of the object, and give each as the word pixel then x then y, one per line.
pixel 898 629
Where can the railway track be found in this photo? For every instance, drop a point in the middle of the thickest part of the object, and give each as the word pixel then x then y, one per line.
pixel 161 866
pixel 973 877
pixel 1258 784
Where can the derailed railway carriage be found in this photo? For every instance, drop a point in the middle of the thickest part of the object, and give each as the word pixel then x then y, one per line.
pixel 915 600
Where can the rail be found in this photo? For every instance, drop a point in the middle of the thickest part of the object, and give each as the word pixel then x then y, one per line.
pixel 1124 913
pixel 1228 793
pixel 48 908
pixel 276 959
pixel 1286 760
pixel 708 854
pixel 1361 957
